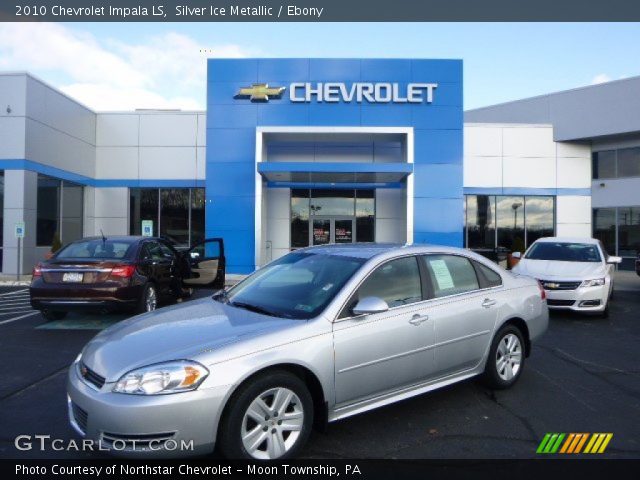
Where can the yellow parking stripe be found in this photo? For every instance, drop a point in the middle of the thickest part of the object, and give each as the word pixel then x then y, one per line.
pixel 607 439
pixel 590 444
pixel 596 445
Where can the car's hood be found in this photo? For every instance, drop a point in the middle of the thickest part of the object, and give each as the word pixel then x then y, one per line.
pixel 555 270
pixel 179 332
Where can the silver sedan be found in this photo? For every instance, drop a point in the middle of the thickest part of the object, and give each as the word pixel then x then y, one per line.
pixel 316 336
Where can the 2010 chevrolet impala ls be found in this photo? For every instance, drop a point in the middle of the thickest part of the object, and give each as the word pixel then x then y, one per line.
pixel 318 335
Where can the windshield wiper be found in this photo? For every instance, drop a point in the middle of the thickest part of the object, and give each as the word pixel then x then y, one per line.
pixel 253 308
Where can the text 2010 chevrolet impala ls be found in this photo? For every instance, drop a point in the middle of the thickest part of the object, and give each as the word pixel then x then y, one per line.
pixel 318 335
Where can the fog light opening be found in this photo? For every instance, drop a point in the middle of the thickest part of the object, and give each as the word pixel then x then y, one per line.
pixel 590 303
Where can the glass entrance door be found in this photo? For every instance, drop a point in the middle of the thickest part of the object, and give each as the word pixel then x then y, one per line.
pixel 332 230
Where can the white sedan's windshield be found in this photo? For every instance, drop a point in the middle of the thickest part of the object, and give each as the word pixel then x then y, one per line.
pixel 299 285
pixel 564 252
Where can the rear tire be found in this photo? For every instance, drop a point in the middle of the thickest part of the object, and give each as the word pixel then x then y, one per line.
pixel 506 358
pixel 274 414
pixel 53 315
pixel 149 299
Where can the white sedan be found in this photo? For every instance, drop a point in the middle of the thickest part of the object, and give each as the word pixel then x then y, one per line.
pixel 576 273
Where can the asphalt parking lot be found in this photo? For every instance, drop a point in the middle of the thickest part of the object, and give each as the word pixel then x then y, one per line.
pixel 583 376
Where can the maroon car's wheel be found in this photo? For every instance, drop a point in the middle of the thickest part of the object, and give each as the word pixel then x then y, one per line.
pixel 149 299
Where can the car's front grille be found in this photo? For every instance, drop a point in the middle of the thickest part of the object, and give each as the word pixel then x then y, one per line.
pixel 91 377
pixel 80 417
pixel 135 441
pixel 560 303
pixel 553 285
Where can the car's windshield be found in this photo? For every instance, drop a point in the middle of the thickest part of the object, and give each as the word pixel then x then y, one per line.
pixel 299 285
pixel 564 252
pixel 96 249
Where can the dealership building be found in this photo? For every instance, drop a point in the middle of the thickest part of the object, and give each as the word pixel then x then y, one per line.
pixel 298 152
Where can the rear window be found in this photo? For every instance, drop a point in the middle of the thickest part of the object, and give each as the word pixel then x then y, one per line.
pixel 96 249
pixel 450 275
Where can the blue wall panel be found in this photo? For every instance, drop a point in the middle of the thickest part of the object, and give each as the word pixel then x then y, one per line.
pixel 231 127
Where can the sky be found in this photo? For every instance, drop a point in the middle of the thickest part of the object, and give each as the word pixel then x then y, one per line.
pixel 123 66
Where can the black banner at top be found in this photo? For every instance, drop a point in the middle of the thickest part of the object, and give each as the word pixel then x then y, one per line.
pixel 318 10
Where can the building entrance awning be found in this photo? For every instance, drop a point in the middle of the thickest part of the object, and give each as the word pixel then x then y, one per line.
pixel 352 175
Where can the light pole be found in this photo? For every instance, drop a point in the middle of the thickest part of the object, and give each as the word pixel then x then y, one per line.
pixel 515 206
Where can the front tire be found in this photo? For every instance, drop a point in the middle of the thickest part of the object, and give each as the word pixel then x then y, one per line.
pixel 506 358
pixel 149 299
pixel 267 418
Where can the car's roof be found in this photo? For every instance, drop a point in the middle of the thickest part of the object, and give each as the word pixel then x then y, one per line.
pixel 370 250
pixel 121 238
pixel 590 241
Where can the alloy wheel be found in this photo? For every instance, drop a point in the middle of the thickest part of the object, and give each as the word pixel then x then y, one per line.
pixel 509 357
pixel 151 301
pixel 272 424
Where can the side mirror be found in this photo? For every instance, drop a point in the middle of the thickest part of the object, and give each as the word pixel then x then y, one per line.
pixel 614 260
pixel 369 305
pixel 516 254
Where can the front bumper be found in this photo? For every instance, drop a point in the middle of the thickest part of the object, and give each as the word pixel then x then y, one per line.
pixel 136 426
pixel 582 299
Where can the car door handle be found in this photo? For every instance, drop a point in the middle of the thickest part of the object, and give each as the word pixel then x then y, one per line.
pixel 488 303
pixel 418 319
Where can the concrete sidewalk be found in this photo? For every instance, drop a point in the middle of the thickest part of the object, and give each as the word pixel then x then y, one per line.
pixel 626 281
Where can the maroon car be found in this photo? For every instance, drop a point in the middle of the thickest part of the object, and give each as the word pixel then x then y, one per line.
pixel 123 273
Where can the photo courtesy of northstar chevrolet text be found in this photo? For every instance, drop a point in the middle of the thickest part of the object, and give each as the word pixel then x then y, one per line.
pixel 323 242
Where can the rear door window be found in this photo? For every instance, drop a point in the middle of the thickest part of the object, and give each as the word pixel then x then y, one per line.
pixel 488 277
pixel 450 275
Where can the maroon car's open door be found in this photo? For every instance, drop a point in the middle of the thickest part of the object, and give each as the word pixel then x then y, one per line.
pixel 207 264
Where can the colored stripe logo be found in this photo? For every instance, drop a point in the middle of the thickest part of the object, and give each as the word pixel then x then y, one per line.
pixel 573 443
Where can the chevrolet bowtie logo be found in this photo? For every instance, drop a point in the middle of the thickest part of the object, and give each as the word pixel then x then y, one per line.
pixel 260 92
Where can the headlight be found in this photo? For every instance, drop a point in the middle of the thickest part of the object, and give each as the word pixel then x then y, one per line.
pixel 596 282
pixel 162 378
pixel 78 358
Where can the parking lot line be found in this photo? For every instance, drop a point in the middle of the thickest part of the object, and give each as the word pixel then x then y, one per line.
pixel 14 308
pixel 19 318
pixel 17 302
pixel 24 291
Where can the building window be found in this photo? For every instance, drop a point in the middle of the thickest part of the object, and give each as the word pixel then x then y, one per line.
pixel 331 210
pixel 620 163
pixel 299 218
pixel 507 223
pixel 628 231
pixel 539 212
pixel 1 215
pixel 365 216
pixel 177 213
pixel 619 231
pixel 629 162
pixel 604 228
pixel 59 211
pixel 480 222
